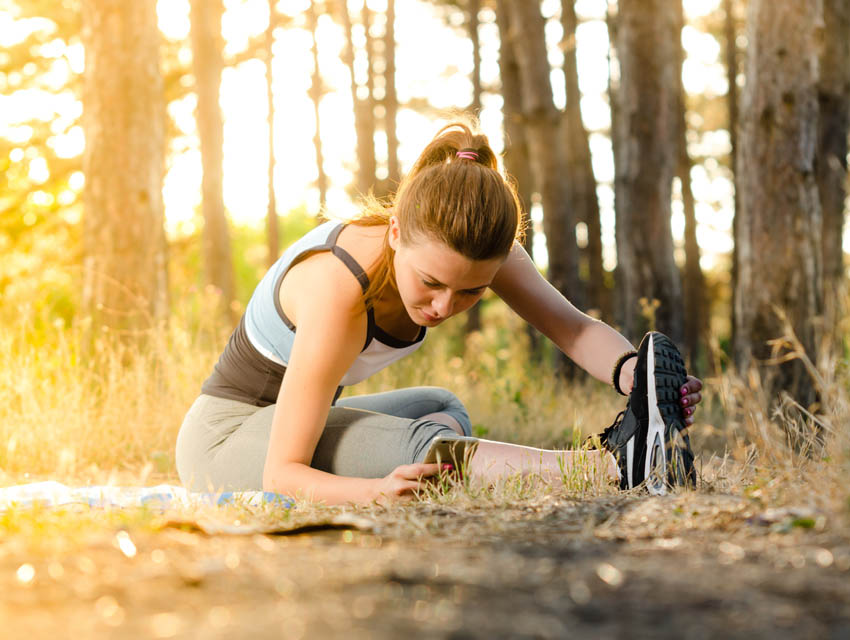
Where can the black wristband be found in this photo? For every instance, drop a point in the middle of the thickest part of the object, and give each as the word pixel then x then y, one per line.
pixel 615 377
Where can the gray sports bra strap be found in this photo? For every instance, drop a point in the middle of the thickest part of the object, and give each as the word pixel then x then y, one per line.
pixel 352 265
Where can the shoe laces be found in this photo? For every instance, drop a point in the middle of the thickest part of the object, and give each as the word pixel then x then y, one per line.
pixel 614 425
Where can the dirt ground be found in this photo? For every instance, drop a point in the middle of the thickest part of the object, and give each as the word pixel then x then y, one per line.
pixel 682 566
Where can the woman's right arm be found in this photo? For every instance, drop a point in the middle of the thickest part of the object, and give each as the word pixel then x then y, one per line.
pixel 329 338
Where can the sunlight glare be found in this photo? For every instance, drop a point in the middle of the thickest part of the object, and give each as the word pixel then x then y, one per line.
pixel 242 20
pixel 173 18
pixel 592 56
pixel 698 8
pixel 25 573
pixel 76 56
pixel 38 171
pixel 595 112
pixel 69 144
pixel 77 180
pixel 589 9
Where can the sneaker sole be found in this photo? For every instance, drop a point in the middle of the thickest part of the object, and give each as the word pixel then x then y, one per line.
pixel 669 459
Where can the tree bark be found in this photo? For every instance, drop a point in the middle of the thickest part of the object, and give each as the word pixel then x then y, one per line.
pixel 125 282
pixel 369 163
pixel 541 120
pixel 391 101
pixel 473 316
pixel 621 296
pixel 207 65
pixel 696 312
pixel 362 104
pixel 780 221
pixel 525 34
pixel 516 145
pixel 272 220
pixel 579 166
pixel 316 93
pixel 831 164
pixel 731 37
pixel 647 129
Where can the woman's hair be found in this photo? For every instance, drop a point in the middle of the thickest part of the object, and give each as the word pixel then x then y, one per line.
pixel 455 194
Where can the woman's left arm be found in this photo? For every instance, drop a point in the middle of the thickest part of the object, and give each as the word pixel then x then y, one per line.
pixel 590 343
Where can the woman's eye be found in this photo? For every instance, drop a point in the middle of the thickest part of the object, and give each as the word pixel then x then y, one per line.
pixel 477 292
pixel 432 285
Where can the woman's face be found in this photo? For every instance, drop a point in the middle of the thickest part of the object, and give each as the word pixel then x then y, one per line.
pixel 434 281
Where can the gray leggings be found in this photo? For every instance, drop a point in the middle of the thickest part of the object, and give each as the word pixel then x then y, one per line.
pixel 222 443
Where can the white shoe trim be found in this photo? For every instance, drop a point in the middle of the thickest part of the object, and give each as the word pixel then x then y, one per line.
pixel 630 460
pixel 655 432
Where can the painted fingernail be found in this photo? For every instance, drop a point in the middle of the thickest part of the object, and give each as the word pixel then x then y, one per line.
pixel 448 467
pixel 689 411
pixel 684 402
pixel 684 391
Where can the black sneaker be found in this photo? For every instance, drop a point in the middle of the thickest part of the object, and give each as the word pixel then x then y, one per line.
pixel 648 438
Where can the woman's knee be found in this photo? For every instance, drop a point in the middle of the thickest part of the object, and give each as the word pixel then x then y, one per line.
pixel 451 405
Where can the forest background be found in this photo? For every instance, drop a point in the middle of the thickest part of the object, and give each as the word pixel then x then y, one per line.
pixel 683 170
pixel 683 166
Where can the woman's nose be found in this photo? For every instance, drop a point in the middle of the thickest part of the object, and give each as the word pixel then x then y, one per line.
pixel 444 303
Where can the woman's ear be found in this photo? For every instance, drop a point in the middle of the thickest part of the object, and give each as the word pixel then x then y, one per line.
pixel 394 232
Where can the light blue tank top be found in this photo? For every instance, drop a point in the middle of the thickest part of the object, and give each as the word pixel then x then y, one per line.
pixel 272 334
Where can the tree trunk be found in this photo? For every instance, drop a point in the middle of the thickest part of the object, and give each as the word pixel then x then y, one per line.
pixel 207 65
pixel 696 315
pixel 391 102
pixel 731 36
pixel 473 316
pixel 525 34
pixel 369 163
pixel 316 93
pixel 272 221
pixel 831 165
pixel 365 174
pixel 125 282
pixel 473 10
pixel 579 167
pixel 647 129
pixel 780 222
pixel 516 146
pixel 541 120
pixel 621 294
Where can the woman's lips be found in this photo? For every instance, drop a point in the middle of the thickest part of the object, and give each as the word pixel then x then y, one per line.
pixel 431 318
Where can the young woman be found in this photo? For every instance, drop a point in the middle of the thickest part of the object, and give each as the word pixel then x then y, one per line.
pixel 349 299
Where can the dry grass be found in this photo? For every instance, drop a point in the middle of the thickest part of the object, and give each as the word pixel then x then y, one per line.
pixel 113 416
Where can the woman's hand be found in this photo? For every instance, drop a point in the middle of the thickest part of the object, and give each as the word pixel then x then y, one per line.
pixel 691 397
pixel 689 392
pixel 403 481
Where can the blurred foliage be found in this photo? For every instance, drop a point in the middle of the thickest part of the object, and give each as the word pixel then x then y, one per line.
pixel 40 184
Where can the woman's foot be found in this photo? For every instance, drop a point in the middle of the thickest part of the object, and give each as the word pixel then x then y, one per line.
pixel 648 438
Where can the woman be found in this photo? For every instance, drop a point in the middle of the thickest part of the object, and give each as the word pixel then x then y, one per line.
pixel 362 295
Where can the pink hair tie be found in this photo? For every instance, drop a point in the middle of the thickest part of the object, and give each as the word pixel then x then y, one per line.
pixel 467 154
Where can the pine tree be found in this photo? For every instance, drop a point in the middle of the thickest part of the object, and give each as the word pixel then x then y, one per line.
pixel 778 234
pixel 124 124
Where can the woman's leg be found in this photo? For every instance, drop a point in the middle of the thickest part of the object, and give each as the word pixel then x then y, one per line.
pixel 206 435
pixel 222 444
pixel 416 403
pixel 494 460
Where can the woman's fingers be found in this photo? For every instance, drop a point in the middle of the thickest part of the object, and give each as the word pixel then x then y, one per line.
pixel 692 385
pixel 418 470
pixel 690 397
